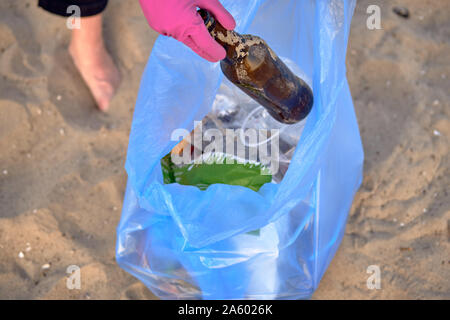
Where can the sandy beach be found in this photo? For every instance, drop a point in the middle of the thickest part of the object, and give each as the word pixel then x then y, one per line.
pixel 62 175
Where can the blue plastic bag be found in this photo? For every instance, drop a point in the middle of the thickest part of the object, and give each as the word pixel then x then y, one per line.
pixel 184 243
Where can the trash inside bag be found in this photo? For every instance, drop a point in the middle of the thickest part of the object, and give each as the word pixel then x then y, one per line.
pixel 256 231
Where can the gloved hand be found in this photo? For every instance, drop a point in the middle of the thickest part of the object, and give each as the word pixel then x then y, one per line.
pixel 179 19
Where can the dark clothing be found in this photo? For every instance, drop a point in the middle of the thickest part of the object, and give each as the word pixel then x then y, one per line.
pixel 87 7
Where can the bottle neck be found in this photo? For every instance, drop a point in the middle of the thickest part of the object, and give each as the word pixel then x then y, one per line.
pixel 228 39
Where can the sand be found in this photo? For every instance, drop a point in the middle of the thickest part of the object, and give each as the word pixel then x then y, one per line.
pixel 61 161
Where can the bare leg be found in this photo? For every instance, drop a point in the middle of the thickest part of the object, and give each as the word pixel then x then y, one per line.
pixel 93 61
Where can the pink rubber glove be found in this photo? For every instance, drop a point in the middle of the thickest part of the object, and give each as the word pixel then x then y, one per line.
pixel 179 19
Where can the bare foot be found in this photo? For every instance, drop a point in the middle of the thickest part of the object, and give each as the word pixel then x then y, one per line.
pixel 93 61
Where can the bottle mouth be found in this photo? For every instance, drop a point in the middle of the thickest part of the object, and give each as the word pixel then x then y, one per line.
pixel 210 21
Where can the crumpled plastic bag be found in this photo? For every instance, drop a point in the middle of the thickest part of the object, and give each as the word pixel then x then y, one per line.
pixel 187 243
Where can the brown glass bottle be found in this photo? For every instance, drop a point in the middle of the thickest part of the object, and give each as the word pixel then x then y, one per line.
pixel 252 66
